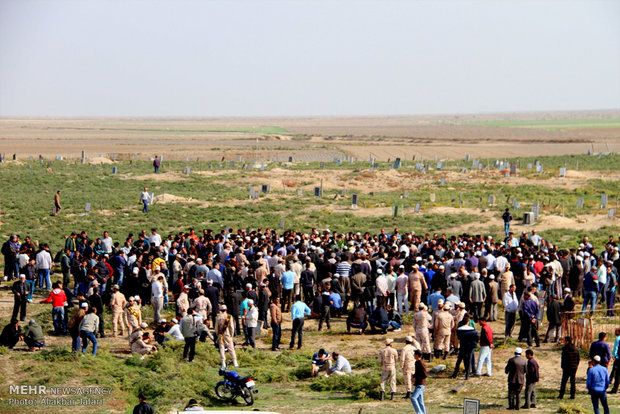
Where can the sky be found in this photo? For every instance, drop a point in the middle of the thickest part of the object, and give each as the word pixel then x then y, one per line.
pixel 304 58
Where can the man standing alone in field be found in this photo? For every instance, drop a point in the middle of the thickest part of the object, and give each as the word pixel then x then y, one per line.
pixel 507 217
pixel 145 198
pixel 156 164
pixel 57 206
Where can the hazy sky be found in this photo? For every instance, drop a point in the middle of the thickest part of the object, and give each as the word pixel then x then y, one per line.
pixel 212 58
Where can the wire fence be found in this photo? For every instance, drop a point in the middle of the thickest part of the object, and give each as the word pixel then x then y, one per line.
pixel 584 327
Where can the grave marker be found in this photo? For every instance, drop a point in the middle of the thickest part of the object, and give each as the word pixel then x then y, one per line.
pixel 432 197
pixel 535 209
pixel 232 164
pixel 395 211
pixel 322 164
pixel 299 193
pixel 562 172
pixel 539 168
pixel 443 181
pixel 417 208
pixel 339 161
pixel 290 159
pixel 354 201
pixel 282 223
pixel 603 200
pixel 114 170
pixel 466 157
pixel 439 165
pixel 317 191
pixel 87 207
pixel 372 160
pixel 188 170
pixel 405 193
pixel 397 164
pixel 251 192
pixel 492 199
pixel 529 166
pixel 513 169
pixel 612 212
pixel 580 203
pixel 265 188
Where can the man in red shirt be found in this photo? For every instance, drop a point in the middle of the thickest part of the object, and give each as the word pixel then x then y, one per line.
pixel 486 344
pixel 58 299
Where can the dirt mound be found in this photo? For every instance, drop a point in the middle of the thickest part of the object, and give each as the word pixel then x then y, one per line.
pixel 171 198
pixel 169 176
pixel 100 160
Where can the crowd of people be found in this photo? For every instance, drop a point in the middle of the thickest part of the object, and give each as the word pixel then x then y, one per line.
pixel 224 284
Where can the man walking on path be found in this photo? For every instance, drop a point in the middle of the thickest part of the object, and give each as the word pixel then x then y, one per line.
pixel 299 311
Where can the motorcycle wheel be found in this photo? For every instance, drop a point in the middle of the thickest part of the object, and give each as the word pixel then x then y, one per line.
pixel 248 395
pixel 224 392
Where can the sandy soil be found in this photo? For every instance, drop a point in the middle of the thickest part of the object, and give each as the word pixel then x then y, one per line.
pixel 308 139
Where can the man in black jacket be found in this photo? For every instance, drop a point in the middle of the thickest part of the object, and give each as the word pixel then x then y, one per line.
pixel 97 303
pixel 20 294
pixel 143 407
pixel 554 317
pixel 233 303
pixel 531 378
pixel 569 364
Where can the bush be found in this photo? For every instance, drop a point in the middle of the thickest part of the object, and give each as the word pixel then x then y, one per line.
pixel 570 409
pixel 57 354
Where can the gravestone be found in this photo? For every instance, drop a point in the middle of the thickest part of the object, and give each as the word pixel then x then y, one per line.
pixel 299 193
pixel 492 199
pixel 417 208
pixel 372 160
pixel 87 207
pixel 603 200
pixel 371 170
pixel 232 164
pixel 113 157
pixel 529 166
pixel 265 188
pixel 354 200
pixel 322 164
pixel 612 212
pixel 432 197
pixel 290 159
pixel 513 169
pixel 251 192
pixel 40 159
pixel 539 168
pixel 317 191
pixel 188 170
pixel 395 211
pixel 535 208
pixel 397 164
pixel 439 165
pixel 282 223
pixel 562 172
pixel 464 170
pixel 580 203
pixel 239 158
pixel 443 181
pixel 114 170
pixel 83 157
pixel 466 157
pixel 405 193
pixel 339 161
pixel 480 167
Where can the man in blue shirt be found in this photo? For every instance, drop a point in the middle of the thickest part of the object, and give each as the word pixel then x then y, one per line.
pixel 336 300
pixel 616 367
pixel 298 312
pixel 288 284
pixel 321 362
pixel 530 316
pixel 434 298
pixel 597 383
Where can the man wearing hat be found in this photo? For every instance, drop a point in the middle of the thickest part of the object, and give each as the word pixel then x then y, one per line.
pixel 117 304
pixel 133 314
pixel 597 383
pixel 477 296
pixel 388 357
pixel 442 329
pixel 515 368
pixel 421 324
pixel 250 320
pixel 407 363
pixel 225 328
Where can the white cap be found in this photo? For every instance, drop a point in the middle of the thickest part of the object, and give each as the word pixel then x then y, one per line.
pixel 336 274
pixel 461 254
pixel 84 305
pixel 162 320
pixel 567 290
pixel 597 358
pixel 143 325
pixel 135 270
pixel 518 351
pixel 379 271
pixel 250 302
pixel 492 277
pixel 248 285
pixel 174 320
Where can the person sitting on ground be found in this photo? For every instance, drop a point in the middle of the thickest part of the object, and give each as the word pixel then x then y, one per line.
pixel 11 334
pixel 141 345
pixel 341 367
pixel 192 405
pixel 321 362
pixel 357 319
pixel 160 331
pixel 33 336
pixel 379 319
pixel 396 321
pixel 175 330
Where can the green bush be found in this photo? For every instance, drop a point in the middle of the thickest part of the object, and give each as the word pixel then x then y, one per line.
pixel 570 409
pixel 360 386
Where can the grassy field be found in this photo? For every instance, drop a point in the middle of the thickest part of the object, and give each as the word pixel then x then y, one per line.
pixel 553 123
pixel 220 198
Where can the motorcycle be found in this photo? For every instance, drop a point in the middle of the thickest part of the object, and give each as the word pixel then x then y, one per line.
pixel 234 386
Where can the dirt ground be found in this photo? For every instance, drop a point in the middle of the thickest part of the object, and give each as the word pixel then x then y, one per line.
pixel 306 139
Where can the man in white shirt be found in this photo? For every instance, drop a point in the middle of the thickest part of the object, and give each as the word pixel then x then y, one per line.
pixel 175 331
pixel 107 243
pixel 157 298
pixel 511 306
pixel 381 283
pixel 154 238
pixel 535 238
pixel 341 365
pixel 402 284
pixel 145 198
pixel 250 320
